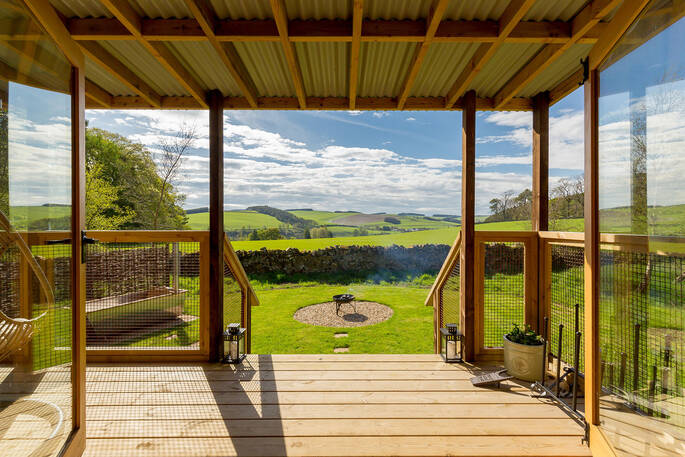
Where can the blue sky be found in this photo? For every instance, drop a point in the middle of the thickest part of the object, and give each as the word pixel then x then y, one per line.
pixel 353 160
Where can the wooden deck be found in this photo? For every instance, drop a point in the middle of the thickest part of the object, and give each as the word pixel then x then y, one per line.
pixel 318 405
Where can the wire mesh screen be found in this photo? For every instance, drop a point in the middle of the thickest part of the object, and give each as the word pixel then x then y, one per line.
pixel 233 299
pixel 566 291
pixel 642 330
pixel 504 290
pixel 449 297
pixel 143 295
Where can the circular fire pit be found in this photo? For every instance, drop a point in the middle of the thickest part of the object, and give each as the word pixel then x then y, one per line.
pixel 343 299
pixel 326 314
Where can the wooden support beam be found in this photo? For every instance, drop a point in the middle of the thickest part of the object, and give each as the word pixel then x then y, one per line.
pixel 78 269
pixel 226 52
pixel 584 21
pixel 122 10
pixel 355 47
pixel 281 18
pixel 592 266
pixel 216 224
pixel 116 68
pixel 624 18
pixel 567 86
pixel 468 215
pixel 540 208
pixel 53 25
pixel 434 17
pixel 510 18
pixel 330 30
pixel 98 94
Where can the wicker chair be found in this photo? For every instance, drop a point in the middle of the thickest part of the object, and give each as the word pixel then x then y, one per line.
pixel 16 333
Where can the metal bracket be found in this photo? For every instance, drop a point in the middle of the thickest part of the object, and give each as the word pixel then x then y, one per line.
pixel 586 70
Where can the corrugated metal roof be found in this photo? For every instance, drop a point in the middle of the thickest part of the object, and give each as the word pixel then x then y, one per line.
pixel 202 61
pixel 137 58
pixel 105 80
pixel 444 62
pixel 242 9
pixel 161 9
pixel 383 67
pixel 318 9
pixel 266 64
pixel 396 9
pixel 324 68
pixel 81 8
pixel 546 10
pixel 506 62
pixel 475 11
pixel 558 70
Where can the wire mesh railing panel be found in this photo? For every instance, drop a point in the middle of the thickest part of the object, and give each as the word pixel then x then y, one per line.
pixel 233 310
pixel 566 300
pixel 143 295
pixel 642 330
pixel 449 310
pixel 503 290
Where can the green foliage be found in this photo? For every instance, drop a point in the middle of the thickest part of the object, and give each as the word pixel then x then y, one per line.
pixel 102 211
pixel 307 234
pixel 283 216
pixel 392 220
pixel 127 170
pixel 321 232
pixel 524 336
pixel 360 232
pixel 265 234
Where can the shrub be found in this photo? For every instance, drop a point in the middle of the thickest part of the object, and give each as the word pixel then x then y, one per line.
pixel 526 336
pixel 392 220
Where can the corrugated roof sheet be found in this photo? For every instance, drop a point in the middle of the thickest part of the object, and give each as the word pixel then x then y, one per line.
pixel 396 9
pixel 324 68
pixel 475 11
pixel 266 64
pixel 383 67
pixel 105 80
pixel 242 9
pixel 81 8
pixel 558 70
pixel 444 62
pixel 547 10
pixel 318 9
pixel 161 9
pixel 137 58
pixel 202 61
pixel 506 62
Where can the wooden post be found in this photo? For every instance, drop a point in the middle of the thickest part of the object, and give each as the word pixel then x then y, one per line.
pixel 540 204
pixel 78 223
pixel 216 223
pixel 468 189
pixel 592 381
pixel 540 210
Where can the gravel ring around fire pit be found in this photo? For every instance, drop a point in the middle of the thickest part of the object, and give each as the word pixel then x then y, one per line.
pixel 323 314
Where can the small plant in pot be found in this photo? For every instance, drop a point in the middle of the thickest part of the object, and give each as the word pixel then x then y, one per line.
pixel 523 351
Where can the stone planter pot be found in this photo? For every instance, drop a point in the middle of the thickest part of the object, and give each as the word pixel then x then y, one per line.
pixel 522 361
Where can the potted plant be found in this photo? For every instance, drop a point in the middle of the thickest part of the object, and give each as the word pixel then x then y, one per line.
pixel 523 351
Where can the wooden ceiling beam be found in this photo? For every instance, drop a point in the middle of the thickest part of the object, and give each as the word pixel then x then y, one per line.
pixel 313 103
pixel 582 23
pixel 449 31
pixel 122 10
pixel 96 52
pixel 434 17
pixel 47 16
pixel 355 48
pixel 567 86
pixel 281 18
pixel 510 19
pixel 98 95
pixel 207 20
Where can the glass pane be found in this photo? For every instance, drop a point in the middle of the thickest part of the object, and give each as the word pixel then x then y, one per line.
pixel 642 197
pixel 35 206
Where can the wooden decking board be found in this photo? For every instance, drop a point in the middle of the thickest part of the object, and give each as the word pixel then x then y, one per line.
pixel 318 406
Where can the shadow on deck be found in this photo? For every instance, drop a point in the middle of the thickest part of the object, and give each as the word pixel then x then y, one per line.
pixel 318 405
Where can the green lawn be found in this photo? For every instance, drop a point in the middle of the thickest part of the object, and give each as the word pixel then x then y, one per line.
pixel 408 331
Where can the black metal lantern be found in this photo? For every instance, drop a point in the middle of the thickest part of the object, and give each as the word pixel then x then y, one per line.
pixel 452 344
pixel 234 344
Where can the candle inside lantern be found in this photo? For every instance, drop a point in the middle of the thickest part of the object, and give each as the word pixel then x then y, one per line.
pixel 234 350
pixel 451 349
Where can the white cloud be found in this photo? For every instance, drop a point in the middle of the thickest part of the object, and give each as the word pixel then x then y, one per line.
pixel 354 112
pixel 380 114
pixel 411 118
pixel 510 118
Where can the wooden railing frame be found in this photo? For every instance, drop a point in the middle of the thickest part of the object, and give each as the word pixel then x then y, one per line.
pixel 434 296
pixel 166 236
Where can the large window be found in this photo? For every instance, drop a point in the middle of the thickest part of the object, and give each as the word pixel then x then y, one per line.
pixel 642 198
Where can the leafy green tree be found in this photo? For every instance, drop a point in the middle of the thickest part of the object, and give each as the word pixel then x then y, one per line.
pixel 102 211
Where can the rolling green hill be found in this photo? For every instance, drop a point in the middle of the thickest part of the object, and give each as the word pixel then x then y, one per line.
pixel 234 220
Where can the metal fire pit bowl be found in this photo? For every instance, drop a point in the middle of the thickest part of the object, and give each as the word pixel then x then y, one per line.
pixel 343 299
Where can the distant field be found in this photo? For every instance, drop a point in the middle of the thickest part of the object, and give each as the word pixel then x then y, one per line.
pixel 320 217
pixel 234 220
pixel 21 215
pixel 562 225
